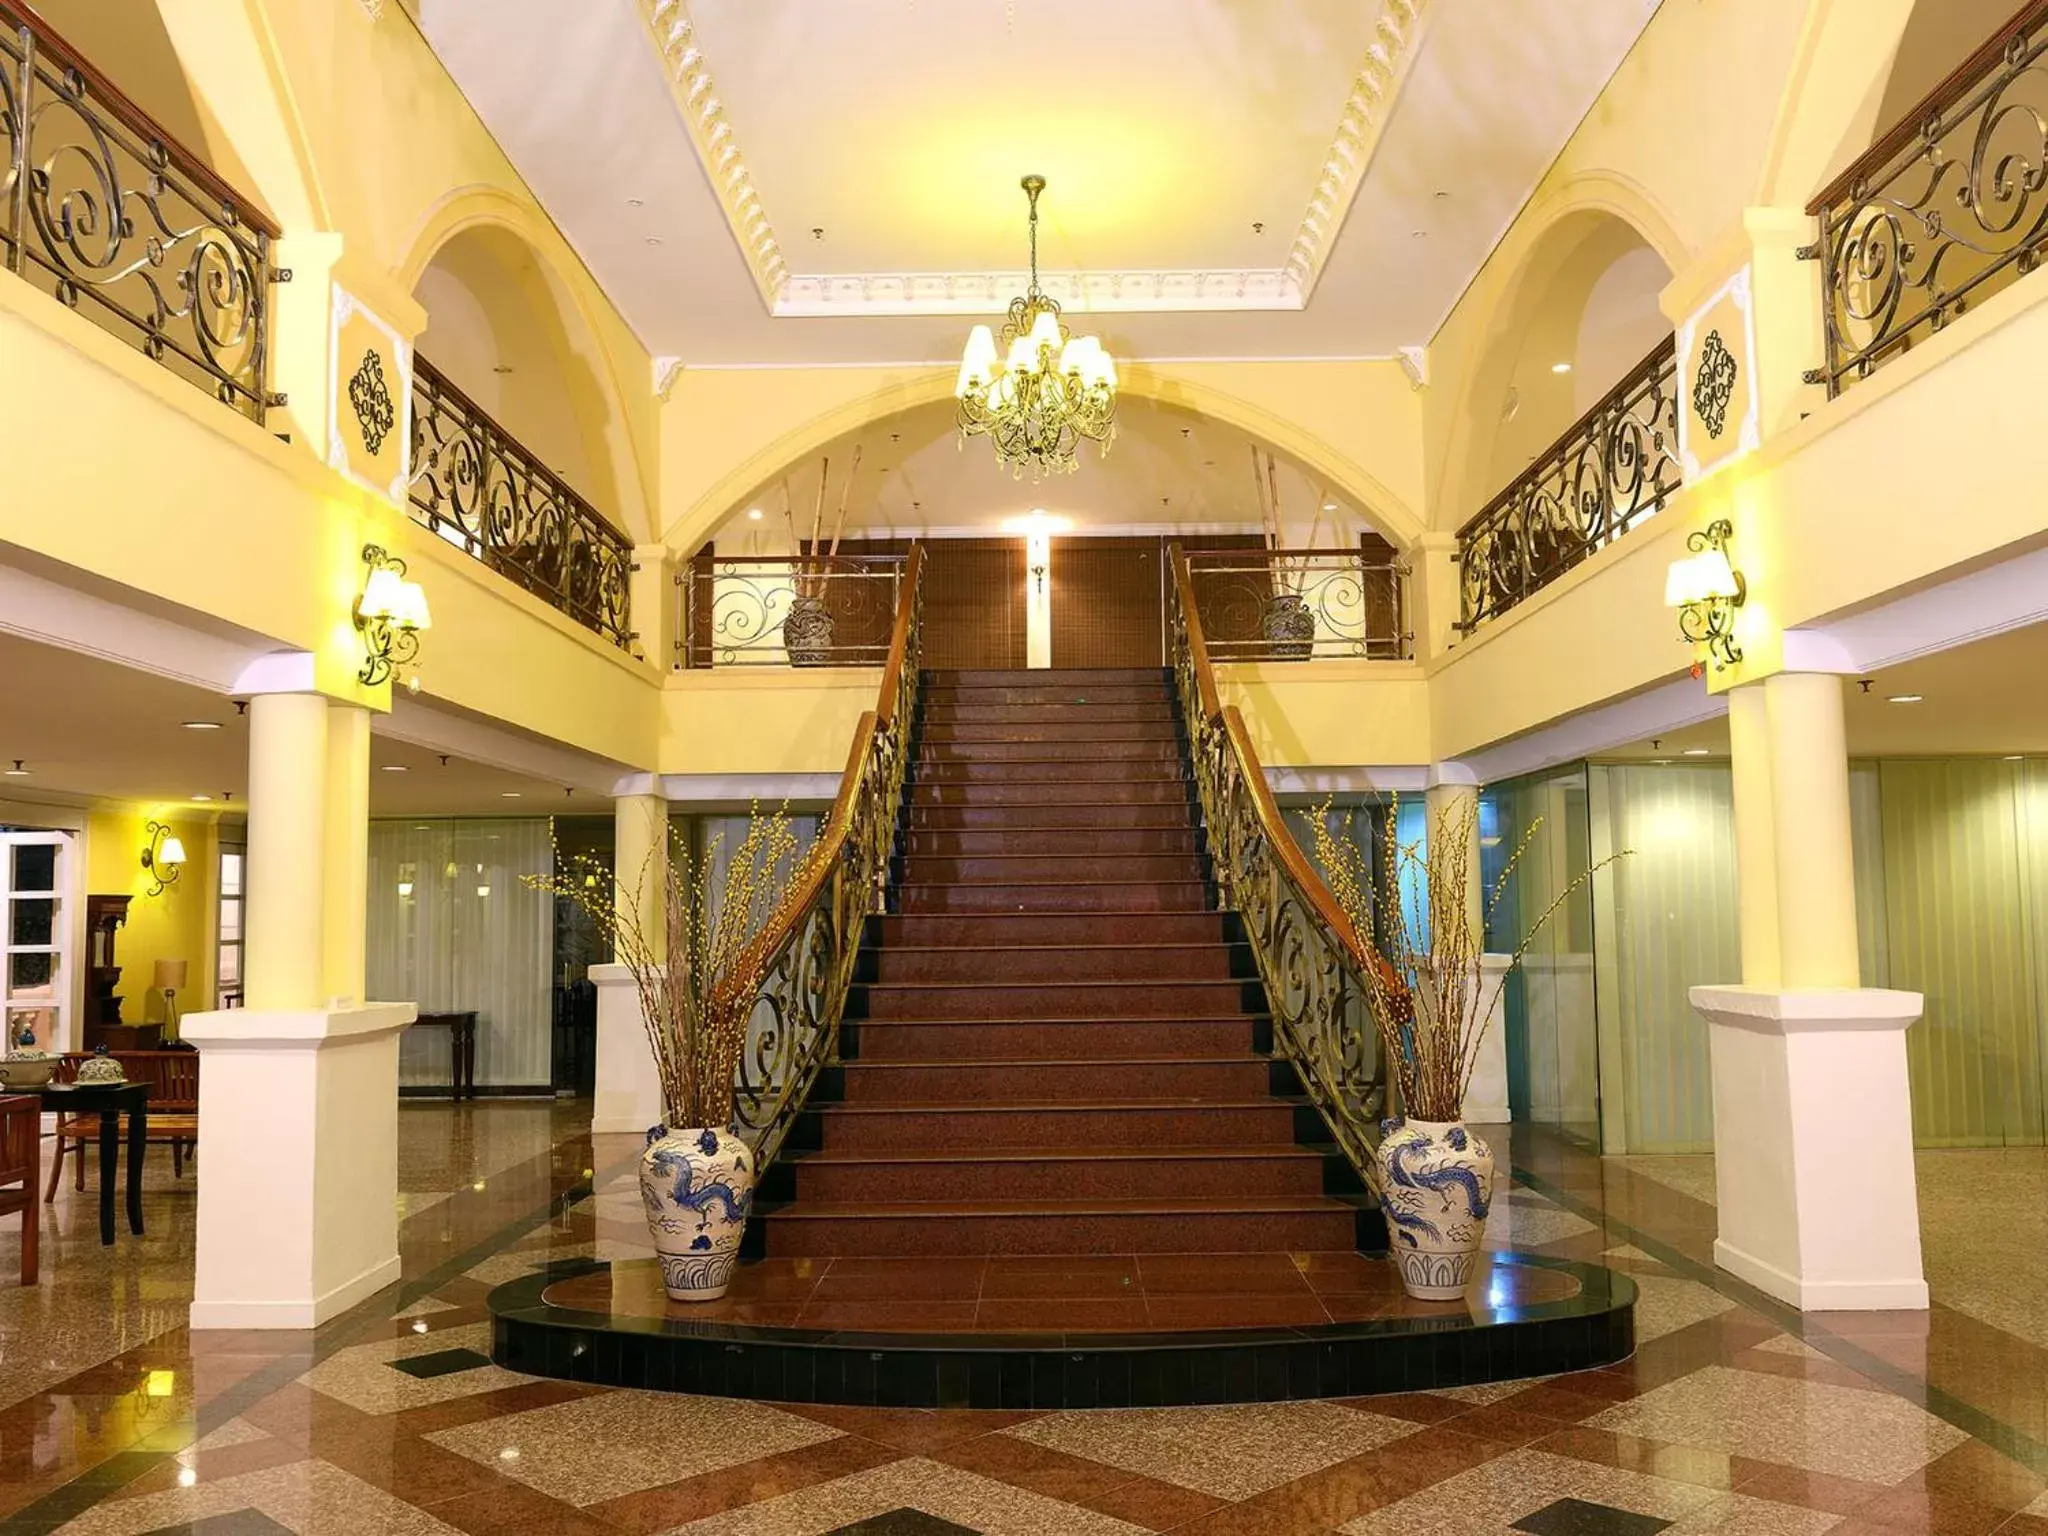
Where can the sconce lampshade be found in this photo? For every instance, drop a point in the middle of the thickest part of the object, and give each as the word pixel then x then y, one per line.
pixel 170 976
pixel 172 852
pixel 1700 578
pixel 383 594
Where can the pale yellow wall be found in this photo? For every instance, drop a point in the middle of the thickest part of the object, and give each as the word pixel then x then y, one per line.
pixel 764 719
pixel 1331 714
pixel 726 433
pixel 178 923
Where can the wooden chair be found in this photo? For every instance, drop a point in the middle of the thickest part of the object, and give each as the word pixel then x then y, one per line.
pixel 21 1150
pixel 173 1078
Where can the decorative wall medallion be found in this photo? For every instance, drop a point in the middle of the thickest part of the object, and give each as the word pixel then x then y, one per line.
pixel 1720 416
pixel 1715 385
pixel 371 401
pixel 1374 88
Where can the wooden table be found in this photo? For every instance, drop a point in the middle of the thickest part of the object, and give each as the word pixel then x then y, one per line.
pixel 461 1029
pixel 112 1101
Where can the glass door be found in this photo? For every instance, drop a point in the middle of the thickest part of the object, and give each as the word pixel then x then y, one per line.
pixel 35 938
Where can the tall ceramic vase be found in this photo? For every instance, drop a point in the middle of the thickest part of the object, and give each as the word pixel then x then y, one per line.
pixel 1436 1185
pixel 698 1186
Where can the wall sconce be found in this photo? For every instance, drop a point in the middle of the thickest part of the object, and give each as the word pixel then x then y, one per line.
pixel 163 856
pixel 1706 590
pixel 389 615
pixel 1038 574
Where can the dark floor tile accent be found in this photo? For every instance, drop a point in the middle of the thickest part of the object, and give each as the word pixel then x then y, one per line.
pixel 442 1362
pixel 239 1522
pixel 1575 1517
pixel 904 1522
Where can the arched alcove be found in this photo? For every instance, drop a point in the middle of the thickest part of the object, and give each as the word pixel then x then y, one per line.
pixel 1578 313
pixel 503 330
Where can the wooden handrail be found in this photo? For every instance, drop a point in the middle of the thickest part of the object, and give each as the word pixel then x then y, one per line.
pixel 1907 128
pixel 831 846
pixel 51 43
pixel 899 642
pixel 1264 806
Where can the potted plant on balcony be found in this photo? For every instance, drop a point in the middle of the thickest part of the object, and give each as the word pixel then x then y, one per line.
pixel 808 632
pixel 1287 623
pixel 1418 953
pixel 697 964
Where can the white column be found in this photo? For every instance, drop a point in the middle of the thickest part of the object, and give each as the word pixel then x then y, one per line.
pixel 628 1090
pixel 1038 600
pixel 1813 1122
pixel 298 1205
pixel 1454 806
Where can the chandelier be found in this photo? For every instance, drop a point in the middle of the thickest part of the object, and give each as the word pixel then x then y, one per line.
pixel 1044 390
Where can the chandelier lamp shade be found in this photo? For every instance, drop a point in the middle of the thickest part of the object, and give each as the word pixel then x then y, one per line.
pixel 1038 390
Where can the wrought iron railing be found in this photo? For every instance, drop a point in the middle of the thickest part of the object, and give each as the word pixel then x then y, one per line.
pixel 811 944
pixel 1617 465
pixel 813 611
pixel 474 485
pixel 1305 947
pixel 1299 604
pixel 1944 210
pixel 114 217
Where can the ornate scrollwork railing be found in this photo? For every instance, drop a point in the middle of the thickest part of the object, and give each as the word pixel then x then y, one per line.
pixel 817 611
pixel 1617 465
pixel 1944 210
pixel 107 212
pixel 1299 604
pixel 811 944
pixel 1306 950
pixel 474 485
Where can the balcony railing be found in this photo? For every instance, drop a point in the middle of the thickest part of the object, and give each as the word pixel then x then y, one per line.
pixel 782 610
pixel 1616 466
pixel 111 215
pixel 475 486
pixel 1300 604
pixel 1946 209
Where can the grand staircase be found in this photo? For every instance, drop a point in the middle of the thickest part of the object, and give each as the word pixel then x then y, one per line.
pixel 1055 1044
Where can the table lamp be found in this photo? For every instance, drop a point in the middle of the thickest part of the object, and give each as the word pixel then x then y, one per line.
pixel 170 975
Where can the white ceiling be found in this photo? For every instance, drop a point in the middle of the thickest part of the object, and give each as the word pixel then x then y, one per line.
pixel 1971 704
pixel 1166 128
pixel 1169 470
pixel 90 730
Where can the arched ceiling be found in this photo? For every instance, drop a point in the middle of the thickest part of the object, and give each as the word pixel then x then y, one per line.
pixel 1229 178
pixel 1169 470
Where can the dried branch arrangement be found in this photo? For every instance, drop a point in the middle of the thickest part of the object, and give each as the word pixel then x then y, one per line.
pixel 813 558
pixel 1423 989
pixel 1290 575
pixel 693 960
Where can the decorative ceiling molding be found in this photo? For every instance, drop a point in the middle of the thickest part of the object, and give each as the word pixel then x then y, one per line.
pixel 1374 89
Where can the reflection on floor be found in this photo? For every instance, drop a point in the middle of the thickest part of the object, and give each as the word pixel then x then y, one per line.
pixel 1734 1416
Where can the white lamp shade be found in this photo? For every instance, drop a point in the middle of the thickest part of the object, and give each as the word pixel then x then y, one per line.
pixel 412 607
pixel 1699 578
pixel 1023 358
pixel 1045 333
pixel 172 852
pixel 978 362
pixel 383 594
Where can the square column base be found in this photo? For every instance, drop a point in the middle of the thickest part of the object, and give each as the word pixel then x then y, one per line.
pixel 298 1193
pixel 627 1098
pixel 1813 1145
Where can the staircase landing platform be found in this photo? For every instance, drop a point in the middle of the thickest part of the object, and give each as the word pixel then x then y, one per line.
pixel 1094 1331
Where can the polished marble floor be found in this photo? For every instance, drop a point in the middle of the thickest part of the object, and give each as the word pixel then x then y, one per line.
pixel 1734 1415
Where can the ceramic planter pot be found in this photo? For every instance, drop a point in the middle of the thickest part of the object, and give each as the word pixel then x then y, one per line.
pixel 807 633
pixel 698 1186
pixel 1289 627
pixel 1436 1185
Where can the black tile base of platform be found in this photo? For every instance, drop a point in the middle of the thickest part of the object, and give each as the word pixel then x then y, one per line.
pixel 1083 1370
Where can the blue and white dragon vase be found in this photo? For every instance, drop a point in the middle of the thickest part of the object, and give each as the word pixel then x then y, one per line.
pixel 1436 1185
pixel 698 1186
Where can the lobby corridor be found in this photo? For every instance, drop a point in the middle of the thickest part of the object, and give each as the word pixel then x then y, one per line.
pixel 392 1419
